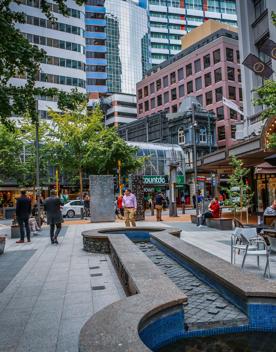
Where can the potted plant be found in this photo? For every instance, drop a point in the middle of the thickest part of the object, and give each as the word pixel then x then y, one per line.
pixel 2 243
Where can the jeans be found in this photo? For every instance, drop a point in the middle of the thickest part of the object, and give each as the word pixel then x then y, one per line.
pixel 54 234
pixel 205 216
pixel 24 222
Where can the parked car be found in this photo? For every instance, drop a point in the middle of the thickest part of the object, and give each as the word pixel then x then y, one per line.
pixel 72 208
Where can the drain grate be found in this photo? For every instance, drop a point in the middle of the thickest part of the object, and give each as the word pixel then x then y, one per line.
pixel 96 288
pixel 103 260
pixel 94 267
pixel 98 274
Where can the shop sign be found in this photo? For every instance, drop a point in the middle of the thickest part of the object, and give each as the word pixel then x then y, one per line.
pixel 155 180
pixel 180 179
pixel 201 178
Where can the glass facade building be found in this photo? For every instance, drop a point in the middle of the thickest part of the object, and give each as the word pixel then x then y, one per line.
pixel 127 44
pixel 171 19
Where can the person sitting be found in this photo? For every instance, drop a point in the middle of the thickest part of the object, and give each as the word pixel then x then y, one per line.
pixel 271 211
pixel 213 211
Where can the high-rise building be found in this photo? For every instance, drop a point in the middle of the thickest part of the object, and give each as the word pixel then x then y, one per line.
pixel 171 19
pixel 64 43
pixel 95 37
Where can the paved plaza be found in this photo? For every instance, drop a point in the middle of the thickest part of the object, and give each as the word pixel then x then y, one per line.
pixel 47 292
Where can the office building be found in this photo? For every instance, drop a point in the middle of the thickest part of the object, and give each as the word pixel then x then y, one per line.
pixel 208 68
pixel 171 19
pixel 95 37
pixel 64 43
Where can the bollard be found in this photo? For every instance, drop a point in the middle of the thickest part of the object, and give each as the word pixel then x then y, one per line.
pixel 82 213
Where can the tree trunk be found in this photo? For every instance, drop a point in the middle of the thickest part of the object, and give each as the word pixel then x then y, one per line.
pixel 81 185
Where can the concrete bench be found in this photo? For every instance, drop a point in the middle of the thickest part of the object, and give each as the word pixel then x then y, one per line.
pixel 193 219
pixel 220 223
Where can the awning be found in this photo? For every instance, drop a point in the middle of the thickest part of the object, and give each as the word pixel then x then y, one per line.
pixel 265 168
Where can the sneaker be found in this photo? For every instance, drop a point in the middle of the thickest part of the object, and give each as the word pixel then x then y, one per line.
pixel 29 240
pixel 56 241
pixel 19 241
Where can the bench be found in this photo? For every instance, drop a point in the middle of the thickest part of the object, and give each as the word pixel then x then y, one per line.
pixel 193 219
pixel 220 223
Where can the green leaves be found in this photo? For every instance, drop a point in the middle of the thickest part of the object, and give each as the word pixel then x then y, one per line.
pixel 266 95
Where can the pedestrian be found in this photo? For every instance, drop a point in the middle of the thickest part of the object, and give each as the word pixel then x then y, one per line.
pixel 86 205
pixel 130 206
pixel 23 212
pixel 271 210
pixel 120 207
pixel 194 200
pixel 213 211
pixel 159 199
pixel 54 216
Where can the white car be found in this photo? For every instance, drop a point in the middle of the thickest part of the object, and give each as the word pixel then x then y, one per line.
pixel 72 208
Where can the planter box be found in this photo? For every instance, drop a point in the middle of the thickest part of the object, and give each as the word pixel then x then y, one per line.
pixel 2 244
pixel 15 231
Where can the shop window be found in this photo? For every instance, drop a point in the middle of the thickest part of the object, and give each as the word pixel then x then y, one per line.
pixel 189 70
pixel 172 78
pixel 159 100
pixel 181 136
pixel 166 97
pixel 231 73
pixel 140 110
pixel 218 75
pixel 180 74
pixel 147 105
pixel 202 135
pixel 229 54
pixel 209 98
pixel 197 65
pixel 158 84
pixel 181 91
pixel 233 114
pixel 152 103
pixel 207 61
pixel 200 99
pixel 165 81
pixel 233 131
pixel 190 87
pixel 216 56
pixel 151 88
pixel 174 108
pixel 207 79
pixel 221 133
pixel 240 94
pixel 219 94
pixel 146 91
pixel 220 113
pixel 173 94
pixel 232 93
pixel 198 83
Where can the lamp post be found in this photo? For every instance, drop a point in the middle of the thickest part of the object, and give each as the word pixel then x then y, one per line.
pixel 194 125
pixel 172 182
pixel 37 164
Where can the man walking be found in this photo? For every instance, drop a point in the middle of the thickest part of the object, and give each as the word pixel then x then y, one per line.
pixel 54 215
pixel 23 212
pixel 130 206
pixel 159 200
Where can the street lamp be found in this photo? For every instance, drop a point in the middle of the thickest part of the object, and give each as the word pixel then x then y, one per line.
pixel 194 125
pixel 37 163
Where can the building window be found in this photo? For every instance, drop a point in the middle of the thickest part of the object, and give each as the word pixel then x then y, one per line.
pixel 200 99
pixel 231 73
pixel 146 91
pixel 229 54
pixel 221 133
pixel 216 56
pixel 158 84
pixel 197 65
pixel 238 56
pixel 173 94
pixel 152 103
pixel 220 113
pixel 159 100
pixel 190 87
pixel 198 83
pixel 233 114
pixel 166 97
pixel 219 94
pixel 239 75
pixel 181 136
pixel 140 94
pixel 259 7
pixel 165 81
pixel 151 88
pixel 189 70
pixel 172 77
pixel 233 131
pixel 202 135
pixel 232 93
pixel 240 94
pixel 180 74
pixel 209 98
pixel 174 108
pixel 181 91
pixel 218 75
pixel 207 79
pixel 207 61
pixel 147 105
pixel 140 110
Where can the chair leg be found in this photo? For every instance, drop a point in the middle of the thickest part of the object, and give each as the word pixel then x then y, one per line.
pixel 245 254
pixel 267 267
pixel 258 261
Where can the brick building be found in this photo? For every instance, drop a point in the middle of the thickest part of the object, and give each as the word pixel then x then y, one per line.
pixel 208 69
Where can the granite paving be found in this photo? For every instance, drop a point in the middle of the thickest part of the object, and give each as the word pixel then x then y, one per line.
pixel 205 305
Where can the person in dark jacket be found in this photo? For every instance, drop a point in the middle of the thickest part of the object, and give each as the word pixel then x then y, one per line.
pixel 159 200
pixel 23 212
pixel 54 216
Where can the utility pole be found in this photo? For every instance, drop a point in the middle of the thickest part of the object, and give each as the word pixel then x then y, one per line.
pixel 37 163
pixel 195 160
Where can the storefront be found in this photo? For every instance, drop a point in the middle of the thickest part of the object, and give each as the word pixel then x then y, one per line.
pixel 265 177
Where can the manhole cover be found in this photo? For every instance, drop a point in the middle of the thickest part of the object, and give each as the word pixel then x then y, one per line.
pixel 95 288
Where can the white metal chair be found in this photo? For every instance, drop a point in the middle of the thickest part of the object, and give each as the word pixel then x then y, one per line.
pixel 237 244
pixel 257 252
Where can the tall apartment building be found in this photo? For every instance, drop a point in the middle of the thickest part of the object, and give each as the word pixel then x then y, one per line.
pixel 207 69
pixel 95 37
pixel 255 26
pixel 171 19
pixel 64 43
